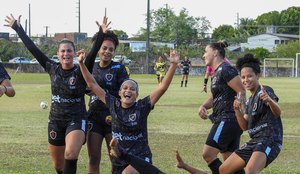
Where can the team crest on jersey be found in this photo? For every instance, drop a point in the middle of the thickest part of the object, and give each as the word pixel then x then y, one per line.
pixel 132 117
pixel 108 119
pixel 89 126
pixel 53 134
pixel 72 81
pixel 109 77
pixel 254 107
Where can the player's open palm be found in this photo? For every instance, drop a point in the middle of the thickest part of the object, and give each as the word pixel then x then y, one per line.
pixel 10 20
pixel 174 56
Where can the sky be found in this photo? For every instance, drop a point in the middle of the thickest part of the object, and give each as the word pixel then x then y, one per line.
pixel 60 16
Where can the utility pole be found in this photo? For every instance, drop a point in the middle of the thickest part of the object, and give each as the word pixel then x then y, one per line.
pixel 78 15
pixel 237 20
pixel 46 30
pixel 29 25
pixel 148 37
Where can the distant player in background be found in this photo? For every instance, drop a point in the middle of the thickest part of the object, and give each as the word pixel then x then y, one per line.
pixel 185 65
pixel 5 84
pixel 160 68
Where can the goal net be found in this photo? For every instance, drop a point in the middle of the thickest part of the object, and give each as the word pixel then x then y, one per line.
pixel 279 67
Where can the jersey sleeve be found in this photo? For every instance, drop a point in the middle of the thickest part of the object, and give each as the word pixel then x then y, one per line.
pixel 35 51
pixel 91 56
pixel 3 73
pixel 229 73
pixel 122 75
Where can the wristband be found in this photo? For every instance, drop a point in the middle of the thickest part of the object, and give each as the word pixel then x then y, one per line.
pixel 205 81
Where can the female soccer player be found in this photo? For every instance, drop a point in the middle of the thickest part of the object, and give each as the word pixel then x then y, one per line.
pixel 261 119
pixel 224 136
pixel 185 65
pixel 5 84
pixel 129 117
pixel 67 118
pixel 109 75
pixel 160 68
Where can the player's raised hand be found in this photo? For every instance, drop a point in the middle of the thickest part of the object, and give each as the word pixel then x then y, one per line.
pixel 10 20
pixel 81 55
pixel 174 56
pixel 105 25
pixel 264 95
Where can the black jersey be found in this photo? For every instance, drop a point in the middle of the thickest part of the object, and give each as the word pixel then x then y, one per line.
pixel 263 125
pixel 223 95
pixel 110 79
pixel 129 125
pixel 185 65
pixel 67 86
pixel 3 73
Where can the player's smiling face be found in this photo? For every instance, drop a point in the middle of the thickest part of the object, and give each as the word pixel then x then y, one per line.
pixel 107 50
pixel 128 93
pixel 208 55
pixel 66 53
pixel 249 79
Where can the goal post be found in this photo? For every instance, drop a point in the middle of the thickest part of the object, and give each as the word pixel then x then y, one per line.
pixel 296 65
pixel 276 60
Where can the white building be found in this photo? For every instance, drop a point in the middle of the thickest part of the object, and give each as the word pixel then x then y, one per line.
pixel 268 41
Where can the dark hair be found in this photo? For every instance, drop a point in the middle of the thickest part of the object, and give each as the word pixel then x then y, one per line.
pixel 109 35
pixel 131 80
pixel 220 46
pixel 249 61
pixel 66 41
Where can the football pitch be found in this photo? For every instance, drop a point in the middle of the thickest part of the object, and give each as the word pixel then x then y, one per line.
pixel 173 124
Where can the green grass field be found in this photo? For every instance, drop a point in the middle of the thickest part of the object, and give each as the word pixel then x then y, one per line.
pixel 173 124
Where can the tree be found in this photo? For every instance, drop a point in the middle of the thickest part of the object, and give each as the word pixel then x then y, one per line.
pixel 268 19
pixel 287 50
pixel 259 53
pixel 181 29
pixel 223 32
pixel 290 17
pixel 122 35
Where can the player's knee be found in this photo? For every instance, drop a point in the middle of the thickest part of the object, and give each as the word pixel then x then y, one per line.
pixel 71 155
pixel 208 156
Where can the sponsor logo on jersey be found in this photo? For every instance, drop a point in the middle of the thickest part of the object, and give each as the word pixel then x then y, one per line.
pixel 109 77
pixel 53 134
pixel 122 137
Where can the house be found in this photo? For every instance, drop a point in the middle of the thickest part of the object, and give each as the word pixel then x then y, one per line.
pixel 73 36
pixel 268 41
